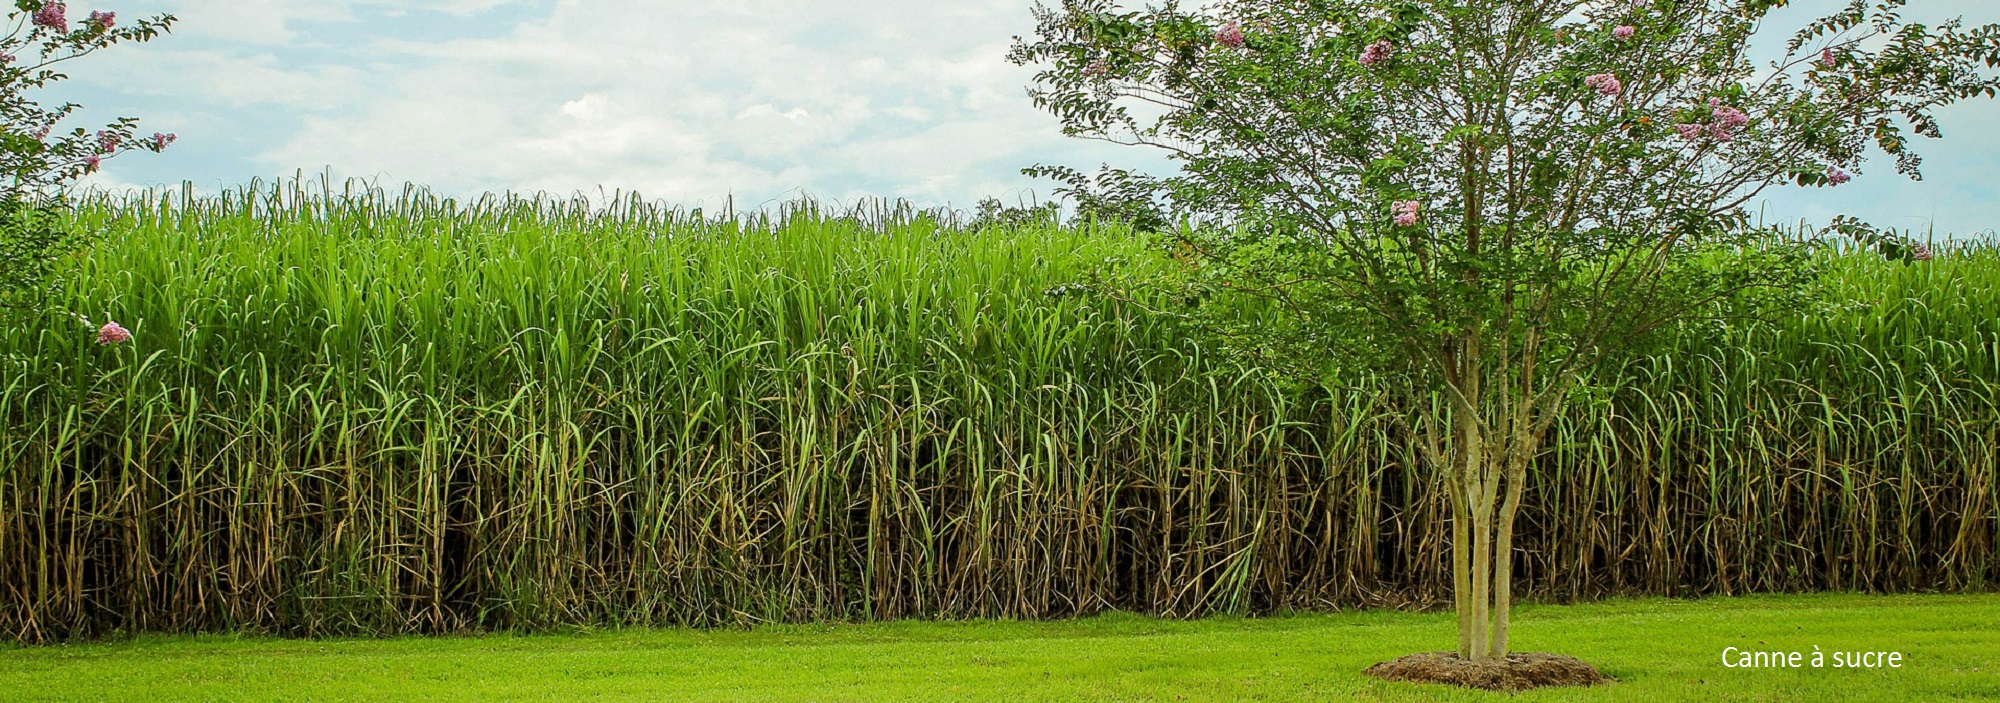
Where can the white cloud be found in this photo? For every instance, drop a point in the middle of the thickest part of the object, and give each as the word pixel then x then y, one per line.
pixel 234 79
pixel 270 22
pixel 691 101
pixel 260 22
pixel 587 108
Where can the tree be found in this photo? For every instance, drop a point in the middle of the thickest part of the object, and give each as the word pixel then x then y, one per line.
pixel 37 167
pixel 1489 199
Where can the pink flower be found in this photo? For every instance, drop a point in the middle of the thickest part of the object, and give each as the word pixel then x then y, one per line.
pixel 1406 212
pixel 1921 252
pixel 42 133
pixel 106 141
pixel 1836 176
pixel 111 333
pixel 1604 83
pixel 90 163
pixel 1230 35
pixel 6 58
pixel 103 19
pixel 1826 58
pixel 1730 118
pixel 1723 128
pixel 1376 52
pixel 1624 31
pixel 51 16
pixel 160 141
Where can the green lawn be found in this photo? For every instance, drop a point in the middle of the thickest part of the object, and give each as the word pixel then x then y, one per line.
pixel 1658 649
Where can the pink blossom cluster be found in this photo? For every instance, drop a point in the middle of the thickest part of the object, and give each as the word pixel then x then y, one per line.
pixel 51 16
pixel 1826 58
pixel 160 141
pixel 90 163
pixel 1406 212
pixel 1921 252
pixel 1836 176
pixel 1722 128
pixel 6 58
pixel 107 142
pixel 1624 31
pixel 112 333
pixel 1097 68
pixel 1727 121
pixel 103 19
pixel 1230 35
pixel 1376 52
pixel 1604 84
pixel 1726 114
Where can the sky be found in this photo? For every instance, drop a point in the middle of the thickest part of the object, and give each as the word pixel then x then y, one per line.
pixel 694 102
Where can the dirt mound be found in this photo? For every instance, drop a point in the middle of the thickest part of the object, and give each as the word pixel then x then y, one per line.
pixel 1519 672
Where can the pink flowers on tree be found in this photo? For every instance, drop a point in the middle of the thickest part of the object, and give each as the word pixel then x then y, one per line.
pixel 112 333
pixel 1724 120
pixel 51 17
pixel 1230 36
pixel 1921 252
pixel 1604 84
pixel 1727 121
pixel 61 159
pixel 1836 176
pixel 1406 212
pixel 1624 31
pixel 1376 52
pixel 1826 58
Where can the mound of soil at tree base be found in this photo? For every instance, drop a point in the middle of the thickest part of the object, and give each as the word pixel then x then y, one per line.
pixel 1518 672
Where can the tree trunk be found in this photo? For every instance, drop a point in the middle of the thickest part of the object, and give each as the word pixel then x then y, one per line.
pixel 1461 529
pixel 1470 461
pixel 1483 530
pixel 1503 558
pixel 1493 440
pixel 1461 568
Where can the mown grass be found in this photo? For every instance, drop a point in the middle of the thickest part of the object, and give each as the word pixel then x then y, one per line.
pixel 360 413
pixel 1659 650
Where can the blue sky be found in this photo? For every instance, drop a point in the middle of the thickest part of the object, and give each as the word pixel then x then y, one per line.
pixel 689 102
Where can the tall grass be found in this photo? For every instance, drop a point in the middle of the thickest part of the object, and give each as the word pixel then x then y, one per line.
pixel 347 412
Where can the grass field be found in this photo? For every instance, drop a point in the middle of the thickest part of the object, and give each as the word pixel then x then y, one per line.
pixel 1658 649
